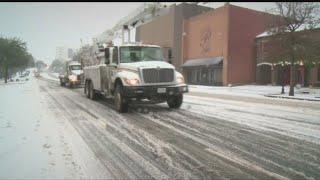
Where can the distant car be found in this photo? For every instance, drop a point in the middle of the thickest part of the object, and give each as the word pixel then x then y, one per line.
pixel 17 79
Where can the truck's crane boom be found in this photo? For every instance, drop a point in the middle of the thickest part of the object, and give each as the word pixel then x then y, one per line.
pixel 144 13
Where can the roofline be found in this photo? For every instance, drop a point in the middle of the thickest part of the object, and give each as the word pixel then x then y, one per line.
pixel 277 34
pixel 250 9
pixel 224 6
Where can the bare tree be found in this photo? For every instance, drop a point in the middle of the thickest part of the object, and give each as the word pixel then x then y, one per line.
pixel 291 18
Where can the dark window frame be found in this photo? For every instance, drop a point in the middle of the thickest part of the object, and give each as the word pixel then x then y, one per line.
pixel 319 72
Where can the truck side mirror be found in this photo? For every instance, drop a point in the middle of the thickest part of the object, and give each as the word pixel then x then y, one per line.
pixel 107 53
pixel 107 61
pixel 107 56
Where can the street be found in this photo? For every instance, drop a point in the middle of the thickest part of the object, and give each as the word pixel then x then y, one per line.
pixel 160 90
pixel 208 138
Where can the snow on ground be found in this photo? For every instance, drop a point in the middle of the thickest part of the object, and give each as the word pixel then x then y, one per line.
pixel 37 143
pixel 56 75
pixel 258 91
pixel 297 96
pixel 51 76
pixel 298 122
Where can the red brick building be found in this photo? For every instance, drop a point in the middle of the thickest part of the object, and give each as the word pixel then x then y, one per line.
pixel 270 71
pixel 166 30
pixel 223 43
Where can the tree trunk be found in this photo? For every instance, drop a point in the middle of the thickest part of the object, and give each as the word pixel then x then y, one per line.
pixel 5 74
pixel 292 79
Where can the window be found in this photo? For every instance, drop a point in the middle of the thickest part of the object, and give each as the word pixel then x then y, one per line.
pixel 136 54
pixel 75 67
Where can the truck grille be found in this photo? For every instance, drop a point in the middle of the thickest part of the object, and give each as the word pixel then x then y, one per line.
pixel 80 77
pixel 157 75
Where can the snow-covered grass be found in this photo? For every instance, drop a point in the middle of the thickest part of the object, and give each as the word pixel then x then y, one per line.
pixel 257 91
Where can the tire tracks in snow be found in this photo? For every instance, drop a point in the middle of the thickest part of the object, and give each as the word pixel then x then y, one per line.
pixel 190 145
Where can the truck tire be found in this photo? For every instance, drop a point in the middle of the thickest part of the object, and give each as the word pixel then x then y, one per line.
pixel 175 101
pixel 86 88
pixel 120 102
pixel 92 93
pixel 70 85
pixel 61 83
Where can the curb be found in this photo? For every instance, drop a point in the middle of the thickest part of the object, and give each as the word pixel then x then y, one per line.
pixel 295 98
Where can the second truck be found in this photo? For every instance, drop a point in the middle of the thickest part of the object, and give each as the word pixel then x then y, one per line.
pixel 134 72
pixel 73 75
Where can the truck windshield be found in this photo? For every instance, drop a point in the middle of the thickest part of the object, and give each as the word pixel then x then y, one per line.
pixel 77 67
pixel 137 54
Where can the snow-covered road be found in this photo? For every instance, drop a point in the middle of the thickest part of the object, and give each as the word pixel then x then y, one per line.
pixel 63 134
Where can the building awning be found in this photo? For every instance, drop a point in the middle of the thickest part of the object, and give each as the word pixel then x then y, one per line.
pixel 203 62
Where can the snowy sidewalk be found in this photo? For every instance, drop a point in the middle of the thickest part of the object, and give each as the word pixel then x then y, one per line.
pixel 257 91
pixel 37 142
pixel 297 96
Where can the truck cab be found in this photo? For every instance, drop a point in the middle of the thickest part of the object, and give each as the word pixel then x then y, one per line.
pixel 134 72
pixel 73 74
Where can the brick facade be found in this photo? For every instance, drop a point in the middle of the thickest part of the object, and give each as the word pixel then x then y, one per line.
pixel 228 31
pixel 269 50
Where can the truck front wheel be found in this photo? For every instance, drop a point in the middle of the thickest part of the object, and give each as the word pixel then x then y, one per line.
pixel 175 101
pixel 61 83
pixel 92 93
pixel 70 85
pixel 87 89
pixel 120 101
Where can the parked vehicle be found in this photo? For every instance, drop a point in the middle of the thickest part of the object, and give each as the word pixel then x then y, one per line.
pixel 73 75
pixel 134 72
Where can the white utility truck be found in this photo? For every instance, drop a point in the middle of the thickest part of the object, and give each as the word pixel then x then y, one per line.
pixel 134 73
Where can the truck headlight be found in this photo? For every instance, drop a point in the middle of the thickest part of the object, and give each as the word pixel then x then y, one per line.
pixel 180 80
pixel 132 82
pixel 73 78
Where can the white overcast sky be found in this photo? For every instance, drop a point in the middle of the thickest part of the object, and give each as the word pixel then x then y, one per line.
pixel 44 26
